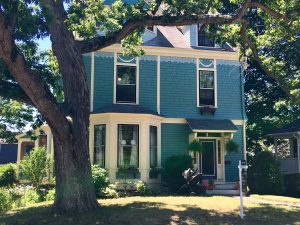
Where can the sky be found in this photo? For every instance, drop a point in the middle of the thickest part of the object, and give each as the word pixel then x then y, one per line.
pixel 44 44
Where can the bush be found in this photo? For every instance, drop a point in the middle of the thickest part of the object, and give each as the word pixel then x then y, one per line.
pixel 141 188
pixel 31 196
pixel 173 168
pixel 5 200
pixel 292 184
pixel 264 176
pixel 232 146
pixel 7 175
pixel 50 196
pixel 109 192
pixel 35 166
pixel 100 179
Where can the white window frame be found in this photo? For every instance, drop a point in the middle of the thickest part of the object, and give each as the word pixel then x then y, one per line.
pixel 136 64
pixel 215 83
pixel 197 41
pixel 154 29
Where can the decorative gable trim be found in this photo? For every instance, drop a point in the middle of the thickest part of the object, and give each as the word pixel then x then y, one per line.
pixel 178 59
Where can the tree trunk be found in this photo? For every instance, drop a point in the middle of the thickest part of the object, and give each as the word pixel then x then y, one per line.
pixel 74 184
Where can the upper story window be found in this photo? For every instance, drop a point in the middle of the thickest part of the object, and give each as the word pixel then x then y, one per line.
pixel 126 80
pixel 204 39
pixel 99 145
pixel 206 83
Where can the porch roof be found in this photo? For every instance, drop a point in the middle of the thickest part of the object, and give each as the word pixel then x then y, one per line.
pixel 288 129
pixel 209 125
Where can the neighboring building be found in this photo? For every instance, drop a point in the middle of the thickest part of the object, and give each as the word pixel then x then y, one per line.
pixel 8 153
pixel 146 109
pixel 289 162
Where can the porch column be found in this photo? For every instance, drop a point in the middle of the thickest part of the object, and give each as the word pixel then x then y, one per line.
pixel 275 147
pixel 19 156
pixel 298 144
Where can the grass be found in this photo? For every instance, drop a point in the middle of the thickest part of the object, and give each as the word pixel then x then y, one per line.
pixel 160 210
pixel 278 198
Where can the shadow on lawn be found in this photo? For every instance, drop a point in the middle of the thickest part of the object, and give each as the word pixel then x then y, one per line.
pixel 140 213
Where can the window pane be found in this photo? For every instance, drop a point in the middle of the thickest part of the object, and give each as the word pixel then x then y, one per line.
pixel 153 146
pixel 126 84
pixel 207 97
pixel 128 147
pixel 204 39
pixel 206 79
pixel 219 153
pixel 99 145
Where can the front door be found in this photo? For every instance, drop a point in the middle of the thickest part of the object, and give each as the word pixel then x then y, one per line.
pixel 208 158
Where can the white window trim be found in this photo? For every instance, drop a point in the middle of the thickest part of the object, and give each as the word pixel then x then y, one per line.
pixel 215 83
pixel 154 30
pixel 197 43
pixel 137 65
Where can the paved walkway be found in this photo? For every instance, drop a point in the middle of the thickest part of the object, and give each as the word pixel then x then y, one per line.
pixel 269 202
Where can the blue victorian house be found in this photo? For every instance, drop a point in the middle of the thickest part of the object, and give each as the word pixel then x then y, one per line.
pixel 146 109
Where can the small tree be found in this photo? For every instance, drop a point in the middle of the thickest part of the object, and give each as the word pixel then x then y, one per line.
pixel 264 176
pixel 34 167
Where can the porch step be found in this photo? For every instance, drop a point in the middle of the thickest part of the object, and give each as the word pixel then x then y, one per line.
pixel 225 186
pixel 223 192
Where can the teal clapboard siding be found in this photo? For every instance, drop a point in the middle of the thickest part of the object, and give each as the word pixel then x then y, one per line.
pixel 174 140
pixel 103 79
pixel 232 159
pixel 87 59
pixel 179 89
pixel 148 82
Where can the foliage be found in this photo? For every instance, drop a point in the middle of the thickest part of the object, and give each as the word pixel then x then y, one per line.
pixel 173 168
pixel 292 184
pixel 5 200
pixel 264 175
pixel 7 175
pixel 34 167
pixel 141 188
pixel 50 196
pixel 109 192
pixel 196 146
pixel 100 179
pixel 31 196
pixel 232 146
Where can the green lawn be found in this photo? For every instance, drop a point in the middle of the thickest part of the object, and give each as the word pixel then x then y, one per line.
pixel 277 198
pixel 160 210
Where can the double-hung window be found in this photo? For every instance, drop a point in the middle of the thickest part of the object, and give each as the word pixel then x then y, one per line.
pixel 206 83
pixel 153 146
pixel 99 145
pixel 128 146
pixel 204 39
pixel 126 79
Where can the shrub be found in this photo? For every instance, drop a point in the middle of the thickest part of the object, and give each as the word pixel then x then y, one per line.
pixel 141 188
pixel 232 146
pixel 264 176
pixel 5 200
pixel 35 166
pixel 31 196
pixel 100 179
pixel 173 168
pixel 7 175
pixel 292 184
pixel 196 146
pixel 109 192
pixel 50 196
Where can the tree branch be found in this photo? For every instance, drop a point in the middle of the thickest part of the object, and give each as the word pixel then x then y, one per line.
pixel 270 11
pixel 32 84
pixel 255 55
pixel 13 91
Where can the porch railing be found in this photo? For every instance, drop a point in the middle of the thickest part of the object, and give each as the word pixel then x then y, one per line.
pixel 289 165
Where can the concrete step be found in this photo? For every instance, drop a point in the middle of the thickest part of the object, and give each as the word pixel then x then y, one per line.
pixel 225 186
pixel 223 192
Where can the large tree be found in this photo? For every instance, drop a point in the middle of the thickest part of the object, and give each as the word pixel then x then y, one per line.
pixel 24 21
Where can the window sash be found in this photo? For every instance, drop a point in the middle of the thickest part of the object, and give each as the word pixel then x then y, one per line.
pixel 128 152
pixel 153 147
pixel 126 89
pixel 207 91
pixel 99 144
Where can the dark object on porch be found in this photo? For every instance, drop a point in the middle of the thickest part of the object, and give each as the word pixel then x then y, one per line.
pixel 292 185
pixel 173 168
pixel 198 125
pixel 193 182
pixel 8 153
pixel 264 176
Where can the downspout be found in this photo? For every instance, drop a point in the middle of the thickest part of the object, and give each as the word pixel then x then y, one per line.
pixel 244 113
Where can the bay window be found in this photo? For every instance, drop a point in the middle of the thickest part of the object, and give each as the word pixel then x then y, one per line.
pixel 99 145
pixel 128 146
